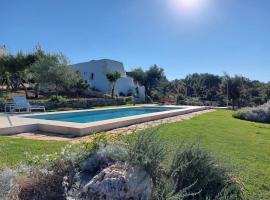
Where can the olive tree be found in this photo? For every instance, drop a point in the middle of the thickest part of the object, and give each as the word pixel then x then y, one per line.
pixel 53 71
pixel 112 78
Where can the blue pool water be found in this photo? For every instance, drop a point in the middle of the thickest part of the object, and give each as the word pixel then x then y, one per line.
pixel 98 115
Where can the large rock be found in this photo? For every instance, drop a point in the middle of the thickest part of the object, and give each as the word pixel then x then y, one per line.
pixel 119 181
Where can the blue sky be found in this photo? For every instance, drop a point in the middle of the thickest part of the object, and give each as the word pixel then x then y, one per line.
pixel 214 36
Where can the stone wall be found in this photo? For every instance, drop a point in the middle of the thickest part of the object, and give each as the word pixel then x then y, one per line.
pixel 87 103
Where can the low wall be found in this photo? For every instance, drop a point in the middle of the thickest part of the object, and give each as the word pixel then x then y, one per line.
pixel 81 103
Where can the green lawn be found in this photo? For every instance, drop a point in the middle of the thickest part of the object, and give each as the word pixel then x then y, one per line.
pixel 15 150
pixel 243 145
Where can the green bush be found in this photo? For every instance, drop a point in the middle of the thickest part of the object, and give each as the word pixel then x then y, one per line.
pixel 129 99
pixel 147 150
pixel 57 99
pixel 193 168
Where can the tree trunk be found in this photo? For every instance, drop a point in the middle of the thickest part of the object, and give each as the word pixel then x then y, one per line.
pixel 36 90
pixel 233 103
pixel 112 92
pixel 25 90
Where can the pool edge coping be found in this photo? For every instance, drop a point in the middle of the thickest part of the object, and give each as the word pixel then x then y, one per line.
pixel 82 129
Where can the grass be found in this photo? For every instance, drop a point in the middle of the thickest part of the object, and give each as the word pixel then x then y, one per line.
pixel 16 150
pixel 243 145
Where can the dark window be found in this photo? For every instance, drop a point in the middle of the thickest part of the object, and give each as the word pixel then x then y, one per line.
pixel 92 76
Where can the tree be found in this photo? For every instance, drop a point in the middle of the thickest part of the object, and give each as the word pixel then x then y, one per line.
pixel 154 76
pixel 16 70
pixel 53 71
pixel 81 85
pixel 176 90
pixel 139 76
pixel 234 87
pixel 205 86
pixel 268 91
pixel 151 79
pixel 112 78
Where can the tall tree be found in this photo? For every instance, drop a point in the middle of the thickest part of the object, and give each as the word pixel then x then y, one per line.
pixel 112 78
pixel 139 76
pixel 53 71
pixel 151 79
pixel 233 88
pixel 154 76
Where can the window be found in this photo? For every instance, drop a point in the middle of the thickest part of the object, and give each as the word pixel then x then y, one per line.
pixel 84 73
pixel 92 76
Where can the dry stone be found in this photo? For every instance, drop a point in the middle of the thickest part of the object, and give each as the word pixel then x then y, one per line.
pixel 119 181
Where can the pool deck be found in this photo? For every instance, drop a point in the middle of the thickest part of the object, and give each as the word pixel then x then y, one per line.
pixel 13 124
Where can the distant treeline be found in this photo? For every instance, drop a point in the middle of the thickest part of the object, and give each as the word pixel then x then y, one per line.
pixel 202 89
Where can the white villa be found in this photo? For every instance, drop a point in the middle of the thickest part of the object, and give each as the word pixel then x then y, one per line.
pixel 95 72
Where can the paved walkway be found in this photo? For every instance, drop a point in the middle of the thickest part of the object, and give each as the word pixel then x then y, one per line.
pixel 5 120
pixel 124 130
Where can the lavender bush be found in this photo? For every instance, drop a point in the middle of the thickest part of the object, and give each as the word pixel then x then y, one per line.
pixel 256 114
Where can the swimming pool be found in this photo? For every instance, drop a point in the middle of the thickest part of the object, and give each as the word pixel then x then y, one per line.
pixel 85 122
pixel 100 115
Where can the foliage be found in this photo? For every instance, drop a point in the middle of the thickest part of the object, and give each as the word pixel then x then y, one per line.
pixel 194 166
pixel 39 69
pixel 15 70
pixel 63 175
pixel 6 180
pixel 139 76
pixel 205 86
pixel 53 71
pixel 201 89
pixel 80 85
pixel 112 78
pixel 57 99
pixel 241 144
pixel 256 114
pixel 146 150
pixel 44 184
pixel 150 79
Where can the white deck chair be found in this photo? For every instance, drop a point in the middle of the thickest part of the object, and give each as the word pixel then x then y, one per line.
pixel 21 103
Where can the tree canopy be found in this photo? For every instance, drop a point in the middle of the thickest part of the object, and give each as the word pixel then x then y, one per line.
pixel 40 69
pixel 112 78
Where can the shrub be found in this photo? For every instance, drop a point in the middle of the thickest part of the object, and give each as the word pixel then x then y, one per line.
pixel 57 99
pixel 6 180
pixel 193 173
pixel 146 150
pixel 193 168
pixel 44 184
pixel 130 99
pixel 256 114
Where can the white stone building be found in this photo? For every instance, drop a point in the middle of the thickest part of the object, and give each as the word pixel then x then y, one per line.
pixel 95 72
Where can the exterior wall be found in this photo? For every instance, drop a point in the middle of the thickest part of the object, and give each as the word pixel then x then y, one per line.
pixel 95 73
pixel 125 85
pixel 141 93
